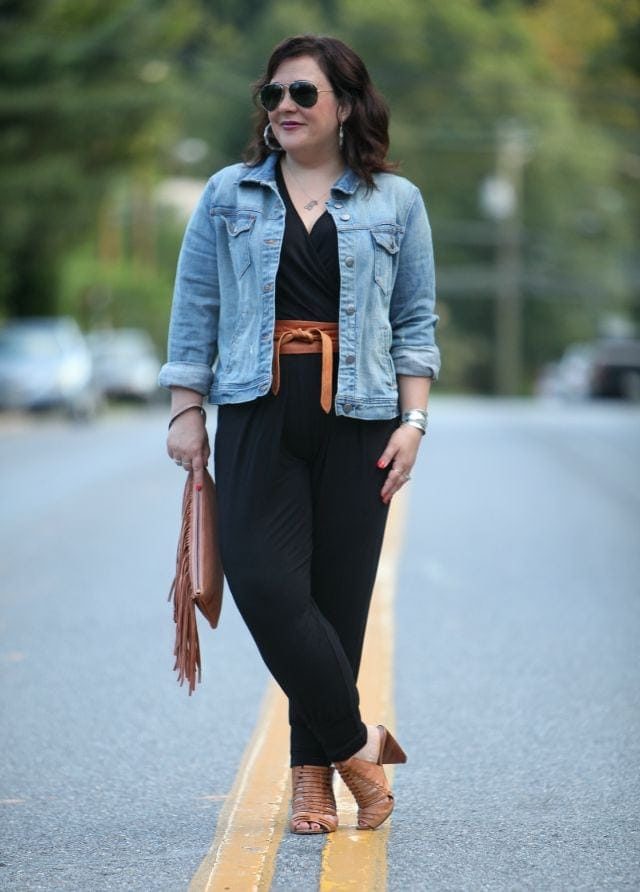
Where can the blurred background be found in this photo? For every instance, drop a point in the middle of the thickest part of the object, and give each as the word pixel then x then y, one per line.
pixel 519 120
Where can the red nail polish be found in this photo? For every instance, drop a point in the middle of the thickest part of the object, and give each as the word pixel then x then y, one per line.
pixel 198 486
pixel 381 463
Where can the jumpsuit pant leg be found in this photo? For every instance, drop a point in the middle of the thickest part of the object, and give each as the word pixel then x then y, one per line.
pixel 349 523
pixel 301 524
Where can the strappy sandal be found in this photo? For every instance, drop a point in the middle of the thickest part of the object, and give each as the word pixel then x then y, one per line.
pixel 368 782
pixel 312 799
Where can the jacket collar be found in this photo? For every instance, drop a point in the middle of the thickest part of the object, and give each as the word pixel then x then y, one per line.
pixel 264 174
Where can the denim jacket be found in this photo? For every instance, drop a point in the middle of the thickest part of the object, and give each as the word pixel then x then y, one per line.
pixel 223 312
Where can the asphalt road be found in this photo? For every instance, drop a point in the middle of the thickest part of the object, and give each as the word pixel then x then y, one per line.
pixel 517 660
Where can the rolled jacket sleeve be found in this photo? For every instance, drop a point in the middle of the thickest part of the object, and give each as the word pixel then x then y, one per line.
pixel 193 328
pixel 412 309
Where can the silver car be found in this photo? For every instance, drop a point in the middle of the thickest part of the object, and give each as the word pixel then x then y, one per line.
pixel 125 362
pixel 45 363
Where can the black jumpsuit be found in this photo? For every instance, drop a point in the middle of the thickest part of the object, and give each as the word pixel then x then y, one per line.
pixel 300 514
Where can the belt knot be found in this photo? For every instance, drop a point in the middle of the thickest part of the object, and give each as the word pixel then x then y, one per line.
pixel 300 336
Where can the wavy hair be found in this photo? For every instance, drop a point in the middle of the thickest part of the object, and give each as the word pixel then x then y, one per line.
pixel 366 130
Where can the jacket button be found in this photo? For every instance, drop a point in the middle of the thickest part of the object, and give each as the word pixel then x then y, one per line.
pixel 348 408
pixel 350 310
pixel 268 286
pixel 338 204
pixel 345 217
pixel 349 261
pixel 350 359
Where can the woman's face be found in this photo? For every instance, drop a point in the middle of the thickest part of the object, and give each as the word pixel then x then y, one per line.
pixel 306 133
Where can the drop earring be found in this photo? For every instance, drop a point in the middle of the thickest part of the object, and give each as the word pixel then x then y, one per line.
pixel 269 139
pixel 341 136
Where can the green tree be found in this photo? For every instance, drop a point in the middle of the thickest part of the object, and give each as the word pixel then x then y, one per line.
pixel 80 94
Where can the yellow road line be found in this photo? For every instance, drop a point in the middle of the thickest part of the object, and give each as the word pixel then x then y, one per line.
pixel 243 852
pixel 357 859
pixel 251 823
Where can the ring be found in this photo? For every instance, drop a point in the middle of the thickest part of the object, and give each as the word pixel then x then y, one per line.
pixel 179 462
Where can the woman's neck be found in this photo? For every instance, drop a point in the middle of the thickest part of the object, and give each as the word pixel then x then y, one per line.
pixel 330 167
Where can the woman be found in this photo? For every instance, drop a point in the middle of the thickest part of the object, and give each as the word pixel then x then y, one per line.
pixel 306 277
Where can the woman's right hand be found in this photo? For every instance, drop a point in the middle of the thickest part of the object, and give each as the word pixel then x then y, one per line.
pixel 188 443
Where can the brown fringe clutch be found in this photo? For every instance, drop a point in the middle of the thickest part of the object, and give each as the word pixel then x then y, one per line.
pixel 199 576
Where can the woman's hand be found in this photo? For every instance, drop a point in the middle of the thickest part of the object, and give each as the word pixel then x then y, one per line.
pixel 400 454
pixel 188 443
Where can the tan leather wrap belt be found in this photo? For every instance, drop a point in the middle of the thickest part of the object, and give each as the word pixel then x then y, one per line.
pixel 299 336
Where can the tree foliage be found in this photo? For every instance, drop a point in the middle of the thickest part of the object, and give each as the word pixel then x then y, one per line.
pixel 102 101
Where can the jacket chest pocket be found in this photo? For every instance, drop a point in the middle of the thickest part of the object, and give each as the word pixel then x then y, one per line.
pixel 238 228
pixel 385 247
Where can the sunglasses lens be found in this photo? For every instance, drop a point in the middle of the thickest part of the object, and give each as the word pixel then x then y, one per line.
pixel 271 96
pixel 304 93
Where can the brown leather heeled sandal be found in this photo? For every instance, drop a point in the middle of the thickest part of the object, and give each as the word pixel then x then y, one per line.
pixel 368 782
pixel 312 799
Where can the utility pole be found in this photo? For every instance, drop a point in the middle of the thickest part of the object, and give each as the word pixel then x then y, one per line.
pixel 501 198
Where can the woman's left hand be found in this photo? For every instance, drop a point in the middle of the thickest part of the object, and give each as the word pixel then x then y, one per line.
pixel 399 456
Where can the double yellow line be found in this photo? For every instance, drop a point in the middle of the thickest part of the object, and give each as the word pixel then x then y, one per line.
pixel 254 817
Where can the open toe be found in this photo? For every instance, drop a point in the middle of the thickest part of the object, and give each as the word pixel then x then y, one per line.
pixel 313 804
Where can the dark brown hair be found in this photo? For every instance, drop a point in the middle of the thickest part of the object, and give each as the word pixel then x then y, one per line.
pixel 366 130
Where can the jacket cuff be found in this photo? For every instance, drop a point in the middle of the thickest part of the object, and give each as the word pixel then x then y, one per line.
pixel 193 375
pixel 421 362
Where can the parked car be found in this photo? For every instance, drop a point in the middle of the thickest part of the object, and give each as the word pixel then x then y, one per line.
pixel 45 363
pixel 615 369
pixel 609 367
pixel 569 377
pixel 125 362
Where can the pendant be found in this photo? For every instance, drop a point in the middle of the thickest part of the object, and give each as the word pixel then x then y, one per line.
pixel 310 205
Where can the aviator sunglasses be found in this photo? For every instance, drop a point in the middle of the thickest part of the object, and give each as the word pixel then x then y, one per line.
pixel 303 93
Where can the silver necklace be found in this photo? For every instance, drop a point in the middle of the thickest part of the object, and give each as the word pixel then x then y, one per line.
pixel 313 202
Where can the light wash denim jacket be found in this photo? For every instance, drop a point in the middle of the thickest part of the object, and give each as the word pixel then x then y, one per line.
pixel 223 313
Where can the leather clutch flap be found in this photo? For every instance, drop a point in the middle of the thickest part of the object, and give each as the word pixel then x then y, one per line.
pixel 199 578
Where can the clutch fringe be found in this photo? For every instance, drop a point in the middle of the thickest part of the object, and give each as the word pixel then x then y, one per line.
pixel 187 644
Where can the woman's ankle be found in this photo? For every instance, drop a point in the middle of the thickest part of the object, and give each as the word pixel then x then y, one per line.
pixel 371 750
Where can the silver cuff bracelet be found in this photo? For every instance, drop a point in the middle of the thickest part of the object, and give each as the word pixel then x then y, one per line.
pixel 417 418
